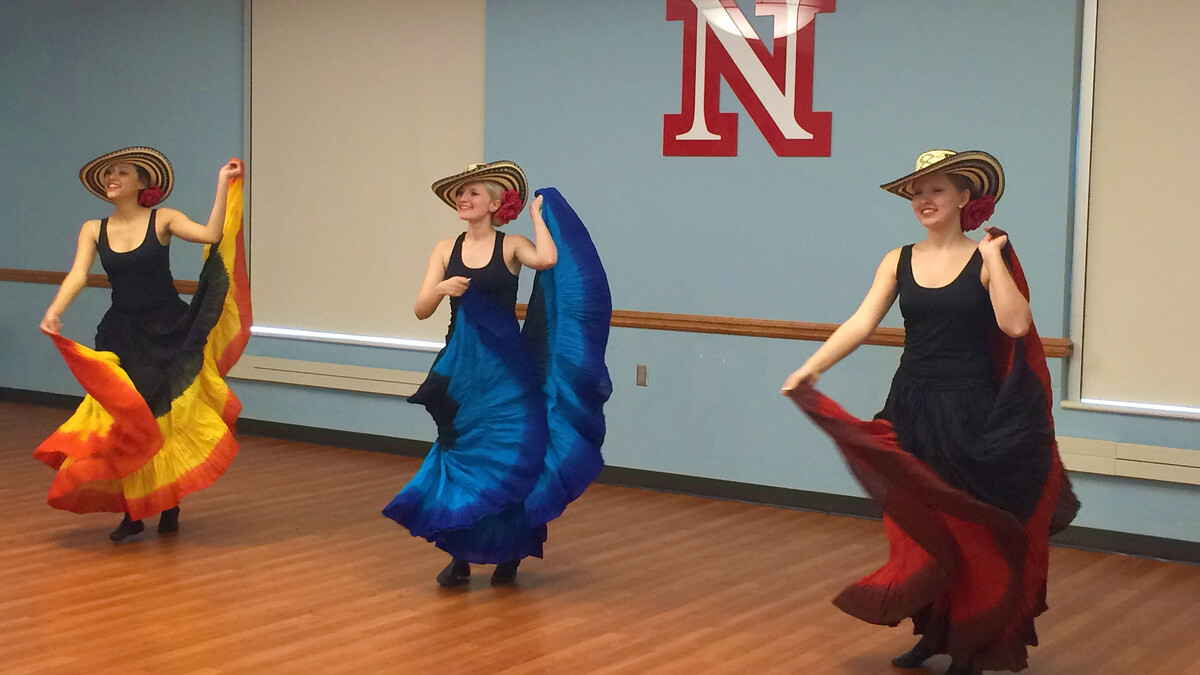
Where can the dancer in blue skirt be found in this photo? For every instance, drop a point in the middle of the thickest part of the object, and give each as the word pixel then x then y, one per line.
pixel 518 410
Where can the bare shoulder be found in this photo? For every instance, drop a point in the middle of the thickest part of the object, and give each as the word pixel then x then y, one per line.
pixel 890 261
pixel 169 214
pixel 91 230
pixel 442 249
pixel 514 246
pixel 513 240
pixel 165 218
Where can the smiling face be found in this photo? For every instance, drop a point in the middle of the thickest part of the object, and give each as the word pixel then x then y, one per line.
pixel 474 201
pixel 937 201
pixel 122 180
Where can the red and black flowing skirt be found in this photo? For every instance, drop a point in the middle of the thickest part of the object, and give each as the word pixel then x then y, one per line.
pixel 968 476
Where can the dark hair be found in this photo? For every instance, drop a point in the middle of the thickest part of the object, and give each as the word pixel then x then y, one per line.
pixel 143 175
pixel 963 183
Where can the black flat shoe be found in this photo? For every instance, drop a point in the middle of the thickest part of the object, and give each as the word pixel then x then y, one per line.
pixel 506 573
pixel 168 521
pixel 913 658
pixel 962 670
pixel 126 529
pixel 457 573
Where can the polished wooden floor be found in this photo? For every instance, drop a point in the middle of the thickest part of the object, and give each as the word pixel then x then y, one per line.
pixel 286 566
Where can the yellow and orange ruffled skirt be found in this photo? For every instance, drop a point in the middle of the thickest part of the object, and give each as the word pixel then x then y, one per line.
pixel 114 454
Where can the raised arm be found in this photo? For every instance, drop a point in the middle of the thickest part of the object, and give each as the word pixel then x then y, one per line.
pixel 854 330
pixel 185 228
pixel 541 253
pixel 436 286
pixel 85 255
pixel 1011 307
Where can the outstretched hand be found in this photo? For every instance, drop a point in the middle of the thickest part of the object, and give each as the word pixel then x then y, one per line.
pixel 804 377
pixel 50 325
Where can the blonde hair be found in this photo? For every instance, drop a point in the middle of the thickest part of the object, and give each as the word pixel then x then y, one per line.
pixel 495 193
pixel 494 189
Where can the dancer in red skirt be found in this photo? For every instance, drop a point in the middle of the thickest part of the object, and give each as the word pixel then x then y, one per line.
pixel 962 458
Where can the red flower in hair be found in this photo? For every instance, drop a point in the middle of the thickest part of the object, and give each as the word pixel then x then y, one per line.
pixel 510 207
pixel 150 196
pixel 976 212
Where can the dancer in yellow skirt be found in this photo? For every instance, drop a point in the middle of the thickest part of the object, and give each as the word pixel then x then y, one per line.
pixel 157 422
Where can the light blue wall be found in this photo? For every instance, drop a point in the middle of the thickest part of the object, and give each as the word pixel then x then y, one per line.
pixel 78 79
pixel 576 92
pixel 83 78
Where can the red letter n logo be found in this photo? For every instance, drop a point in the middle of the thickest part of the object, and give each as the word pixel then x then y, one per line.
pixel 774 87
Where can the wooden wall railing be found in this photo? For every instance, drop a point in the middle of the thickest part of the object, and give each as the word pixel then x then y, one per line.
pixel 624 318
pixel 56 278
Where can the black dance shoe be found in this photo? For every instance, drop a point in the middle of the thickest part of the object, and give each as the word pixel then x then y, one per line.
pixel 126 529
pixel 168 521
pixel 506 573
pixel 457 573
pixel 913 658
pixel 962 670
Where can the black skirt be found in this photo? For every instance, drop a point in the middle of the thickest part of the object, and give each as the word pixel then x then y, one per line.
pixel 150 343
pixel 986 440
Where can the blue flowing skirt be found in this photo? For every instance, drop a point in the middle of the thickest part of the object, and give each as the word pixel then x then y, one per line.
pixel 519 412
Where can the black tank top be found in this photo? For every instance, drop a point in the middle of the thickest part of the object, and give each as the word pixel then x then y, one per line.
pixel 141 278
pixel 946 329
pixel 493 279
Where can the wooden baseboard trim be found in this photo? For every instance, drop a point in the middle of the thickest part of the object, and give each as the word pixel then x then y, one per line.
pixel 1126 543
pixel 715 488
pixel 353 440
pixel 45 399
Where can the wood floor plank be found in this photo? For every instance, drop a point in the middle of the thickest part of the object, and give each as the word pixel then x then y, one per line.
pixel 286 565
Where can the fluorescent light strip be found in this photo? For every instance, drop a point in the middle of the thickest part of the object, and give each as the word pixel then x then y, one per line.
pixel 1157 407
pixel 347 338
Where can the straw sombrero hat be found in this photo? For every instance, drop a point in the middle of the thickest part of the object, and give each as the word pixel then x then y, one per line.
pixel 153 161
pixel 983 170
pixel 504 172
